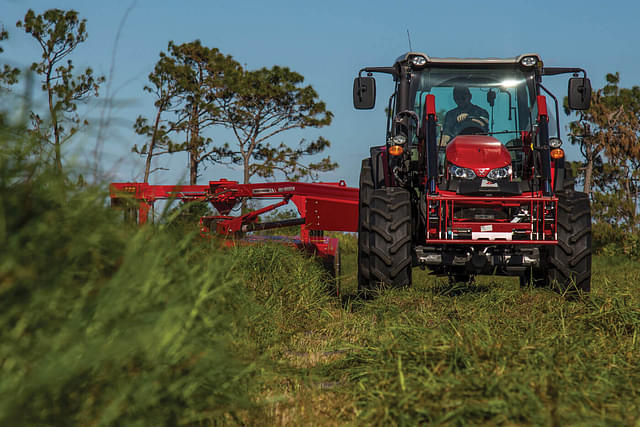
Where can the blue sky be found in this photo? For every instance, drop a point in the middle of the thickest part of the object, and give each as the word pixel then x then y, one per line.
pixel 327 42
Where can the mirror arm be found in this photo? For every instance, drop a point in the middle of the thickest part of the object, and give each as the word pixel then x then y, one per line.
pixel 385 70
pixel 554 71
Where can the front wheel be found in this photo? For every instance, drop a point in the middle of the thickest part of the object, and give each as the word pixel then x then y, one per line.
pixel 390 237
pixel 570 260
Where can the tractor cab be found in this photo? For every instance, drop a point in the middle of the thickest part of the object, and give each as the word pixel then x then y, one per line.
pixel 491 101
pixel 501 98
pixel 481 117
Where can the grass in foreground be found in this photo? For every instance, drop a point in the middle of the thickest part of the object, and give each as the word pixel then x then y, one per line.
pixel 102 324
pixel 490 353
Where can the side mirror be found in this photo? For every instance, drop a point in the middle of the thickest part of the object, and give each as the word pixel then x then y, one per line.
pixel 364 93
pixel 491 97
pixel 579 93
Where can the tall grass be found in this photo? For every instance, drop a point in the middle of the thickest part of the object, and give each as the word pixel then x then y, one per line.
pixel 489 353
pixel 103 323
pixel 494 357
pixel 290 291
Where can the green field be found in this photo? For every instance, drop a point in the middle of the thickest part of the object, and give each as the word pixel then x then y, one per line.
pixel 488 353
pixel 106 324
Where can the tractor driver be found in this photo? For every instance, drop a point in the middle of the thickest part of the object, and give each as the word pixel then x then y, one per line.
pixel 466 118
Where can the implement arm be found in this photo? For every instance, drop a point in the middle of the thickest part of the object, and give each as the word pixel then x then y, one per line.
pixel 322 206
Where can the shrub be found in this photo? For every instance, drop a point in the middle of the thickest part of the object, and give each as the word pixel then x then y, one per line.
pixel 611 240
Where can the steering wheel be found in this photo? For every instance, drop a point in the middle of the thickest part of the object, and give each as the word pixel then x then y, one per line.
pixel 472 125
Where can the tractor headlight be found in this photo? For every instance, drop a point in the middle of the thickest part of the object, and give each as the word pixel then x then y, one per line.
pixel 500 173
pixel 398 139
pixel 418 60
pixel 555 142
pixel 463 173
pixel 529 61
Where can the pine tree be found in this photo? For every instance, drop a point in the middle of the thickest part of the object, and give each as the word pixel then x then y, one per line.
pixel 59 33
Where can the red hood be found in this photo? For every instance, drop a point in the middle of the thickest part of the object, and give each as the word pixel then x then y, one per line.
pixel 478 152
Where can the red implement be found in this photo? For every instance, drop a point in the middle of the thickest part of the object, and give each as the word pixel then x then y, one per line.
pixel 322 207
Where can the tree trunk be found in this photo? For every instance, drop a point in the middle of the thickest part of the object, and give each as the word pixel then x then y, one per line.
pixel 588 173
pixel 246 170
pixel 629 194
pixel 635 210
pixel 58 155
pixel 152 145
pixel 54 122
pixel 244 205
pixel 194 145
pixel 193 168
pixel 147 165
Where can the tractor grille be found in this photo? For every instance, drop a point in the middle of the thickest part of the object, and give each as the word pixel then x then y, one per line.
pixel 498 220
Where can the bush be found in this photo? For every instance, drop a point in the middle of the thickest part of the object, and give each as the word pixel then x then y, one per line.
pixel 611 240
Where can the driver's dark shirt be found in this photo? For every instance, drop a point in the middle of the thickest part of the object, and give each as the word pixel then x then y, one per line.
pixel 451 122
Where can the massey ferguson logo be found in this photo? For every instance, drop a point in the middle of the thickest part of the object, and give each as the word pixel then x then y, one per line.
pixel 482 171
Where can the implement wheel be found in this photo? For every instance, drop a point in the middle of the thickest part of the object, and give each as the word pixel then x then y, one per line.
pixel 390 237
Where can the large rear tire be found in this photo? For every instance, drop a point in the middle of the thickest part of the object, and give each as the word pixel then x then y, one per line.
pixel 390 237
pixel 569 270
pixel 366 188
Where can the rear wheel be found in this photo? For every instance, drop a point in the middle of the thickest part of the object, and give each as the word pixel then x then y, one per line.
pixel 366 188
pixel 390 237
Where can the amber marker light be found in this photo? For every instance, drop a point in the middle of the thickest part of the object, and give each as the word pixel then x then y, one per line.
pixel 557 153
pixel 396 150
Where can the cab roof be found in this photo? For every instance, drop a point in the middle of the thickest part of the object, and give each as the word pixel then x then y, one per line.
pixel 467 61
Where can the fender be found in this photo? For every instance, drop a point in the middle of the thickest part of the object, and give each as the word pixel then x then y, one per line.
pixel 380 167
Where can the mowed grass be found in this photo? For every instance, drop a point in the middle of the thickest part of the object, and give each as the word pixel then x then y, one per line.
pixel 489 353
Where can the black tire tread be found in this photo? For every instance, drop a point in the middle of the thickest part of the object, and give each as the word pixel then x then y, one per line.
pixel 570 261
pixel 390 237
pixel 366 187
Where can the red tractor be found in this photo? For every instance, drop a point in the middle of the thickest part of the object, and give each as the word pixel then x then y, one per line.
pixel 471 179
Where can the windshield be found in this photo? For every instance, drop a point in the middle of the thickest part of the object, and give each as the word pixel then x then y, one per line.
pixel 470 101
